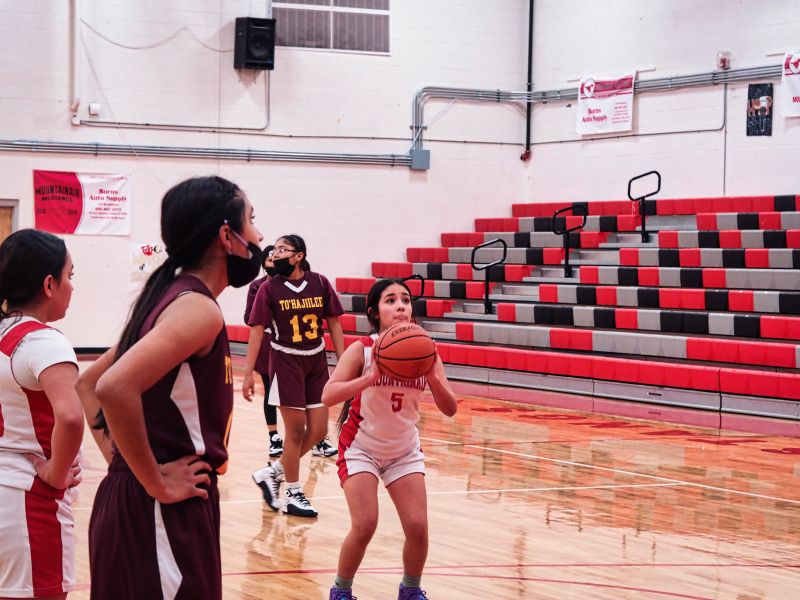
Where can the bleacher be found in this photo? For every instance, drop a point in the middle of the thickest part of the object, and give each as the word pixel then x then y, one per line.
pixel 704 315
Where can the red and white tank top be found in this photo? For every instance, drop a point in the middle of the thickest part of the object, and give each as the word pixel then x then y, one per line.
pixel 383 418
pixel 27 347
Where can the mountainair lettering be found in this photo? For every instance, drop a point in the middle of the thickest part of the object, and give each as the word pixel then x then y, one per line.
pixel 414 384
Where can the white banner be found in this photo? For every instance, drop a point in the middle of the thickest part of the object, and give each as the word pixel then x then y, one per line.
pixel 790 88
pixel 605 104
pixel 82 203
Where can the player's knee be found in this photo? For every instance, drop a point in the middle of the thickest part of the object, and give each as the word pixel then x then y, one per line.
pixel 364 528
pixel 416 530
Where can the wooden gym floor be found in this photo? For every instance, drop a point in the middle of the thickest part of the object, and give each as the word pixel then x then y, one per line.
pixel 528 503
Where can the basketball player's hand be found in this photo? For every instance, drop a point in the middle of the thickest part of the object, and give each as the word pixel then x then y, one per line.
pixel 436 371
pixel 45 471
pixel 248 387
pixel 374 373
pixel 181 480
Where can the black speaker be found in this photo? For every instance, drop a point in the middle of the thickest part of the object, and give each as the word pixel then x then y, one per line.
pixel 255 44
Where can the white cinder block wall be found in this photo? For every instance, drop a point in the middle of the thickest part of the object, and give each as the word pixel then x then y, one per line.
pixel 323 101
pixel 683 134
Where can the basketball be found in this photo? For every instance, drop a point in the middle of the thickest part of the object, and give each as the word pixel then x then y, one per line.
pixel 405 351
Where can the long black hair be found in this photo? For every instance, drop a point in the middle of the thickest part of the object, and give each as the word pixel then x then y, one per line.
pixel 374 318
pixel 299 244
pixel 27 257
pixel 191 214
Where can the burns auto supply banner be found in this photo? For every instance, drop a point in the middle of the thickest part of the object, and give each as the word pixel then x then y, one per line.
pixel 790 88
pixel 605 104
pixel 82 203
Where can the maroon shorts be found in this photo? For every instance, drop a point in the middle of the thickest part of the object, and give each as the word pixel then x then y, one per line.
pixel 139 548
pixel 297 380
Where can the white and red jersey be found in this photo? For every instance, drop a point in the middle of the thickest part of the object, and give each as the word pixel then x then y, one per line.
pixel 382 420
pixel 27 347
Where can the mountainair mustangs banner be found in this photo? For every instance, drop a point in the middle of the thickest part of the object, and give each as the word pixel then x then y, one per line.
pixel 791 84
pixel 82 203
pixel 605 105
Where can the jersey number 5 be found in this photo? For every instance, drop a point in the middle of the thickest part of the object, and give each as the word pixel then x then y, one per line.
pixel 313 327
pixel 397 401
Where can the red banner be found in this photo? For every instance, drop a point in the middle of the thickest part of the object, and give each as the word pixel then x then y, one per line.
pixel 81 203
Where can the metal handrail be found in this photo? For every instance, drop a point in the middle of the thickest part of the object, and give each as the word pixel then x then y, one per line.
pixel 579 208
pixel 641 201
pixel 487 304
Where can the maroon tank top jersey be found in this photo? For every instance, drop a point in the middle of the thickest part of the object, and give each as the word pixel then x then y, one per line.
pixel 294 311
pixel 189 410
pixel 139 548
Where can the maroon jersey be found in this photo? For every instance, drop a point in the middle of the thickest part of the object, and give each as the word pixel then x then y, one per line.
pixel 262 360
pixel 294 311
pixel 189 410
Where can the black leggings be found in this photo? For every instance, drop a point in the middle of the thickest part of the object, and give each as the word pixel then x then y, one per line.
pixel 270 412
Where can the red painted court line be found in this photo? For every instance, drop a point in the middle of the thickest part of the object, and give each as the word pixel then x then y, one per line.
pixel 579 583
pixel 396 571
pixel 399 569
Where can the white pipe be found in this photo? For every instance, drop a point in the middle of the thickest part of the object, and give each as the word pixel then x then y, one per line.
pixel 75 56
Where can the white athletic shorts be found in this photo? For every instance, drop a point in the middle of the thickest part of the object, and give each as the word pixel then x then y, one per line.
pixel 354 460
pixel 37 546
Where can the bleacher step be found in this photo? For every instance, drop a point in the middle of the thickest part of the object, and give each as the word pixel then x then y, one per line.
pixel 529 292
pixel 441 329
pixel 471 316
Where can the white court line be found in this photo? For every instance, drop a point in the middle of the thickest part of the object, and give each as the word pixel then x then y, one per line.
pixel 469 492
pixel 496 491
pixel 612 470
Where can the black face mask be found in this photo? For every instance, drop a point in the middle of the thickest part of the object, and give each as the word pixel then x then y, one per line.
pixel 270 271
pixel 242 271
pixel 283 267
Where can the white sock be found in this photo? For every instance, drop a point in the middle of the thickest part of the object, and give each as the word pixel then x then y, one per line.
pixel 293 487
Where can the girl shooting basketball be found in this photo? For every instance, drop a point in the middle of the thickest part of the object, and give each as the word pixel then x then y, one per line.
pixel 379 440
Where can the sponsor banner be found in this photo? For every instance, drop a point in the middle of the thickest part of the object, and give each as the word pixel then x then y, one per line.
pixel 145 258
pixel 605 104
pixel 82 203
pixel 790 84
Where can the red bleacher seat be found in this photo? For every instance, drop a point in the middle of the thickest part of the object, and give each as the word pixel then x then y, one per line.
pixel 628 256
pixel 648 276
pixel 730 238
pixel 507 313
pixel 589 275
pixel 464 332
pixel 756 258
pixel 668 239
pixel 548 292
pixel 606 295
pixel 714 278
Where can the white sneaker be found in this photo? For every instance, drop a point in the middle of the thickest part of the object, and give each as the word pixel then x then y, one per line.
pixel 297 504
pixel 270 483
pixel 323 448
pixel 275 445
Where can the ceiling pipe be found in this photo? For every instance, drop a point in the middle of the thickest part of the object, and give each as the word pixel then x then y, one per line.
pixel 566 94
pixel 97 149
